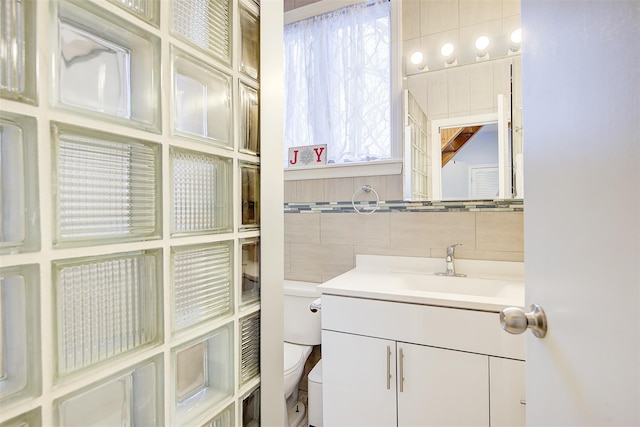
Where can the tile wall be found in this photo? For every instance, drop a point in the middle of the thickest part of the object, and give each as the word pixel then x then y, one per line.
pixel 323 233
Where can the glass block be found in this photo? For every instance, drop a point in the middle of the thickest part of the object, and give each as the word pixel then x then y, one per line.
pixel 106 187
pixel 203 373
pixel 19 215
pixel 147 10
pixel 105 306
pixel 191 371
pixel 225 418
pixel 106 66
pixel 30 419
pixel 249 120
pixel 249 347
pixel 251 408
pixel 108 94
pixel 206 24
pixel 201 196
pixel 18 50
pixel 250 197
pixel 202 278
pixel 249 43
pixel 201 100
pixel 130 398
pixel 20 376
pixel 250 280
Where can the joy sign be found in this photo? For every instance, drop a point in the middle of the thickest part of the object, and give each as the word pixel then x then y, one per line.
pixel 308 155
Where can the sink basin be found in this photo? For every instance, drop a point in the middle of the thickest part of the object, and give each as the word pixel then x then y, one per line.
pixel 451 285
pixel 490 286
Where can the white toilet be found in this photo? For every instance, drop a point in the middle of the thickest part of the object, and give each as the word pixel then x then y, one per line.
pixel 301 332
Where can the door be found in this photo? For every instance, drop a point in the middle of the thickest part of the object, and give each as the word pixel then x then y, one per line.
pixel 359 382
pixel 582 220
pixel 438 387
pixel 507 398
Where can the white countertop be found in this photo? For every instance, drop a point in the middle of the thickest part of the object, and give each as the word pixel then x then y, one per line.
pixel 489 285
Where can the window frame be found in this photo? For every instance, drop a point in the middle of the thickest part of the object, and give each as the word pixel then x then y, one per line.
pixel 373 168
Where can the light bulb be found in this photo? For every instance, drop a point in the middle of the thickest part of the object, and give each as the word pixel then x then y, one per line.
pixel 447 49
pixel 516 36
pixel 416 58
pixel 482 43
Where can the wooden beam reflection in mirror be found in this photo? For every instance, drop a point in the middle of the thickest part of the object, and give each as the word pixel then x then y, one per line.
pixel 453 139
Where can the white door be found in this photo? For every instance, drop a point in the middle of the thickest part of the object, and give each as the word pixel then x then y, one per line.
pixel 581 104
pixel 359 382
pixel 439 387
pixel 507 394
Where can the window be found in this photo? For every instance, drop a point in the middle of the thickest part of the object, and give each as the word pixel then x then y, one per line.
pixel 338 83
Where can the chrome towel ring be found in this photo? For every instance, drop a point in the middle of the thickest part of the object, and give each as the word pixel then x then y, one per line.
pixel 367 189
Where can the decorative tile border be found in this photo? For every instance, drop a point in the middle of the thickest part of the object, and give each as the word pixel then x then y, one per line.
pixel 515 205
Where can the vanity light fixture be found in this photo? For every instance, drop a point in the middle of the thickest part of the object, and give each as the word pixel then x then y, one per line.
pixel 516 41
pixel 417 59
pixel 482 45
pixel 447 51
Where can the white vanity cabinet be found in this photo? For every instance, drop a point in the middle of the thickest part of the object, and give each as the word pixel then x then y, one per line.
pixel 356 387
pixel 389 363
pixel 441 387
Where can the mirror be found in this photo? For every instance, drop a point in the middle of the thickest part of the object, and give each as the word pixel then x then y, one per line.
pixel 462 113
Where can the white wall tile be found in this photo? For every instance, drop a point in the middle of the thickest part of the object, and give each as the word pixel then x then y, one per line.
pixel 355 229
pixel 378 183
pixel 311 190
pixel 438 16
pixel 338 189
pixel 410 19
pixel 500 231
pixel 482 93
pixel 458 88
pixel 431 229
pixel 474 11
pixel 501 78
pixel 510 7
pixel 437 99
pixel 302 228
pixel 394 187
pixel 290 194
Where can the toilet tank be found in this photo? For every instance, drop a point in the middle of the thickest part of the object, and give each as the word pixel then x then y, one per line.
pixel 301 326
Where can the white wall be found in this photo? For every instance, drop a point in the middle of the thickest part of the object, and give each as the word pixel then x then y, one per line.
pixel 272 197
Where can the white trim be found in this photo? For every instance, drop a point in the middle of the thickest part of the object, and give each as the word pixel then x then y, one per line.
pixel 386 167
pixel 315 9
pixel 271 214
pixel 397 81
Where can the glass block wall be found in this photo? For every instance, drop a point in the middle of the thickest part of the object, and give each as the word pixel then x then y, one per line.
pixel 129 212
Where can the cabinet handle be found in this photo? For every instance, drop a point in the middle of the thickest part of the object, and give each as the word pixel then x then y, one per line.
pixel 523 402
pixel 388 367
pixel 401 371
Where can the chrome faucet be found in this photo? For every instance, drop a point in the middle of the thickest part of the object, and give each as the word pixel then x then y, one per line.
pixel 451 271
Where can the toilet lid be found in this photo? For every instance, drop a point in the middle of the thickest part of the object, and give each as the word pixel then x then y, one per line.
pixel 292 358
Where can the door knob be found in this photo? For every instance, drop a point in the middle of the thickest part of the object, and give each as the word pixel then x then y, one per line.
pixel 515 321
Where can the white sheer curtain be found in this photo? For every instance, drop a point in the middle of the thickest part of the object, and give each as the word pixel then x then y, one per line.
pixel 337 83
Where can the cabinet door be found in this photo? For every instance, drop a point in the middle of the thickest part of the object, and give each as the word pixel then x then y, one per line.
pixel 507 392
pixel 442 387
pixel 359 384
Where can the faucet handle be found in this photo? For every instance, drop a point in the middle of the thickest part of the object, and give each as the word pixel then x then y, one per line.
pixel 451 248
